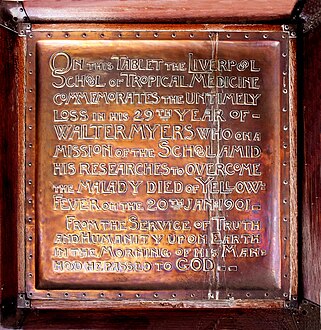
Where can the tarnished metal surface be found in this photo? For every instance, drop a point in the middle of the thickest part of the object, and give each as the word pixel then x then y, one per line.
pixel 158 165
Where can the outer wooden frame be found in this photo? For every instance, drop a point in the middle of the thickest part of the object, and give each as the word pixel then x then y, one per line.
pixel 141 11
pixel 79 299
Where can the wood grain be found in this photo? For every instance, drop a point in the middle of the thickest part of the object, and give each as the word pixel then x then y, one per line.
pixel 170 319
pixel 311 213
pixel 9 168
pixel 158 10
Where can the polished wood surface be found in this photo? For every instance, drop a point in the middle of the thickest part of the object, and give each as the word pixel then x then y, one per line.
pixel 250 319
pixel 158 11
pixel 11 166
pixel 311 189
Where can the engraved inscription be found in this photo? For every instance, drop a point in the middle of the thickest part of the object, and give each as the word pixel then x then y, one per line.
pixel 158 164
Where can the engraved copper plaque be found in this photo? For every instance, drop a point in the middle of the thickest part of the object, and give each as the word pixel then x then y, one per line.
pixel 158 165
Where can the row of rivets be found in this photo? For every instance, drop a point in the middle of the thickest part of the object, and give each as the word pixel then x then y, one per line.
pixel 156 35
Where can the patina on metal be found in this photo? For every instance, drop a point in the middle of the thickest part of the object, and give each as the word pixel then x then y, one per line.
pixel 158 164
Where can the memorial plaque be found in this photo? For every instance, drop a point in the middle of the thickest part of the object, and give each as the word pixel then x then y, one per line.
pixel 158 164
